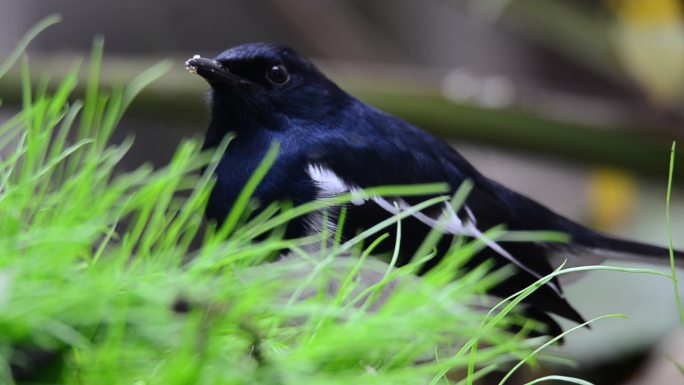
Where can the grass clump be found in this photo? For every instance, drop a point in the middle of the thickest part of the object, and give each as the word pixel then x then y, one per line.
pixel 99 283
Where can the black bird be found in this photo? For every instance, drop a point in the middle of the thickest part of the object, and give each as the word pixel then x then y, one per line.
pixel 332 143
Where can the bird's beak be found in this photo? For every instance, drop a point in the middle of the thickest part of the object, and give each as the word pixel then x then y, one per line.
pixel 212 71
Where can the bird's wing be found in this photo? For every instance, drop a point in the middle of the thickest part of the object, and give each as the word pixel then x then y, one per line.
pixel 446 218
pixel 409 156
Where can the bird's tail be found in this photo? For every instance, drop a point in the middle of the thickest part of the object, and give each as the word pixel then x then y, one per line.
pixel 614 248
pixel 594 250
pixel 587 246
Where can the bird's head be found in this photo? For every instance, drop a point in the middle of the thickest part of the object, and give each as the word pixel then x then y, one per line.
pixel 265 86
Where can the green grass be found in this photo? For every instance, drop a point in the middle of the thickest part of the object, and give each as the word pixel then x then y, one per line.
pixel 675 280
pixel 115 274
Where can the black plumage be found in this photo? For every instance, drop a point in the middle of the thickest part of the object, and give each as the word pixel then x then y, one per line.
pixel 330 142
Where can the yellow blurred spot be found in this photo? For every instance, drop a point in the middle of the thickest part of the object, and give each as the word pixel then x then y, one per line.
pixel 649 41
pixel 612 196
pixel 647 11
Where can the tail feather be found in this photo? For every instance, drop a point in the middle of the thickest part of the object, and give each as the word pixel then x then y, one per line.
pixel 615 248
pixel 584 240
pixel 596 249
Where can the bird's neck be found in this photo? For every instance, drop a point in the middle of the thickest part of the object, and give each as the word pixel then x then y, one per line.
pixel 215 133
pixel 237 119
pixel 223 123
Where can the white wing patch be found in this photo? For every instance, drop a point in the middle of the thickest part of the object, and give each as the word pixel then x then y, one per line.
pixel 329 185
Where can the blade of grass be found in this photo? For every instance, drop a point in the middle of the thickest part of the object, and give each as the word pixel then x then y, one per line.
pixel 675 281
pixel 25 41
pixel 552 341
pixel 570 380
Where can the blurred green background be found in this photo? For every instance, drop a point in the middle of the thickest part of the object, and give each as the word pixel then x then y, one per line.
pixel 572 102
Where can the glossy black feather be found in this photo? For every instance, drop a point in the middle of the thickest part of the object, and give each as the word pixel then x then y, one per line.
pixel 316 123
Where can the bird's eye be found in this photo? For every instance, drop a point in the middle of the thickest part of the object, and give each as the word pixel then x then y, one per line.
pixel 277 75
